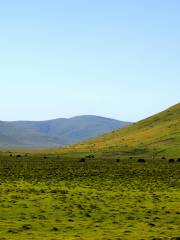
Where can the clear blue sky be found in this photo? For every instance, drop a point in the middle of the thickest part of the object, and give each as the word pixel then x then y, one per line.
pixel 114 58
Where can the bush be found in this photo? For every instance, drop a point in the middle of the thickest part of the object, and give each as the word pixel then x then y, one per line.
pixel 82 160
pixel 171 160
pixel 141 160
pixel 90 156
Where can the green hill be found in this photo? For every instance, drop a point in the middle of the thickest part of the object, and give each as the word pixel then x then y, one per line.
pixel 158 135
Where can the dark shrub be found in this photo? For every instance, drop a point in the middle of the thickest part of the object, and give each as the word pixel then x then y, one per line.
pixel 117 160
pixel 45 157
pixel 26 227
pixel 55 229
pixel 10 155
pixel 90 156
pixel 163 158
pixel 178 160
pixel 152 224
pixel 18 156
pixel 82 160
pixel 11 230
pixel 141 160
pixel 171 160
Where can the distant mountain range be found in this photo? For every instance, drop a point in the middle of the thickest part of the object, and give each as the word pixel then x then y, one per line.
pixel 54 133
pixel 158 135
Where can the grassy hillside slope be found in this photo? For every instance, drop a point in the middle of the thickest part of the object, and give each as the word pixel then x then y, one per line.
pixel 156 135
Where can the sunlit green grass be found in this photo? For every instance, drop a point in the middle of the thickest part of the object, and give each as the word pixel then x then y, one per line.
pixel 62 198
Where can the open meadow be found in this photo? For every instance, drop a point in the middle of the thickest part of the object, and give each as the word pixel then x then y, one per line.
pixel 77 197
pixel 90 120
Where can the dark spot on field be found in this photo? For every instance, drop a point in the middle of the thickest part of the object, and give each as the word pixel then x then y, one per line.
pixel 80 206
pixel 42 217
pixel 87 215
pixel 171 160
pixel 141 160
pixel 90 156
pixel 26 227
pixel 13 230
pixel 55 229
pixel 82 160
pixel 70 220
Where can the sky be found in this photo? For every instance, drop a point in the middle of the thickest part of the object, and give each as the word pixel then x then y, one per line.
pixel 112 58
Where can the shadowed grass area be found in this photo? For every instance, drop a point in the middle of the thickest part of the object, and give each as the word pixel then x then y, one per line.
pixel 101 198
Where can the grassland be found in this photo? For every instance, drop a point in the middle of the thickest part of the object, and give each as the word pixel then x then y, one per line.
pixel 158 135
pixel 107 195
pixel 102 198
